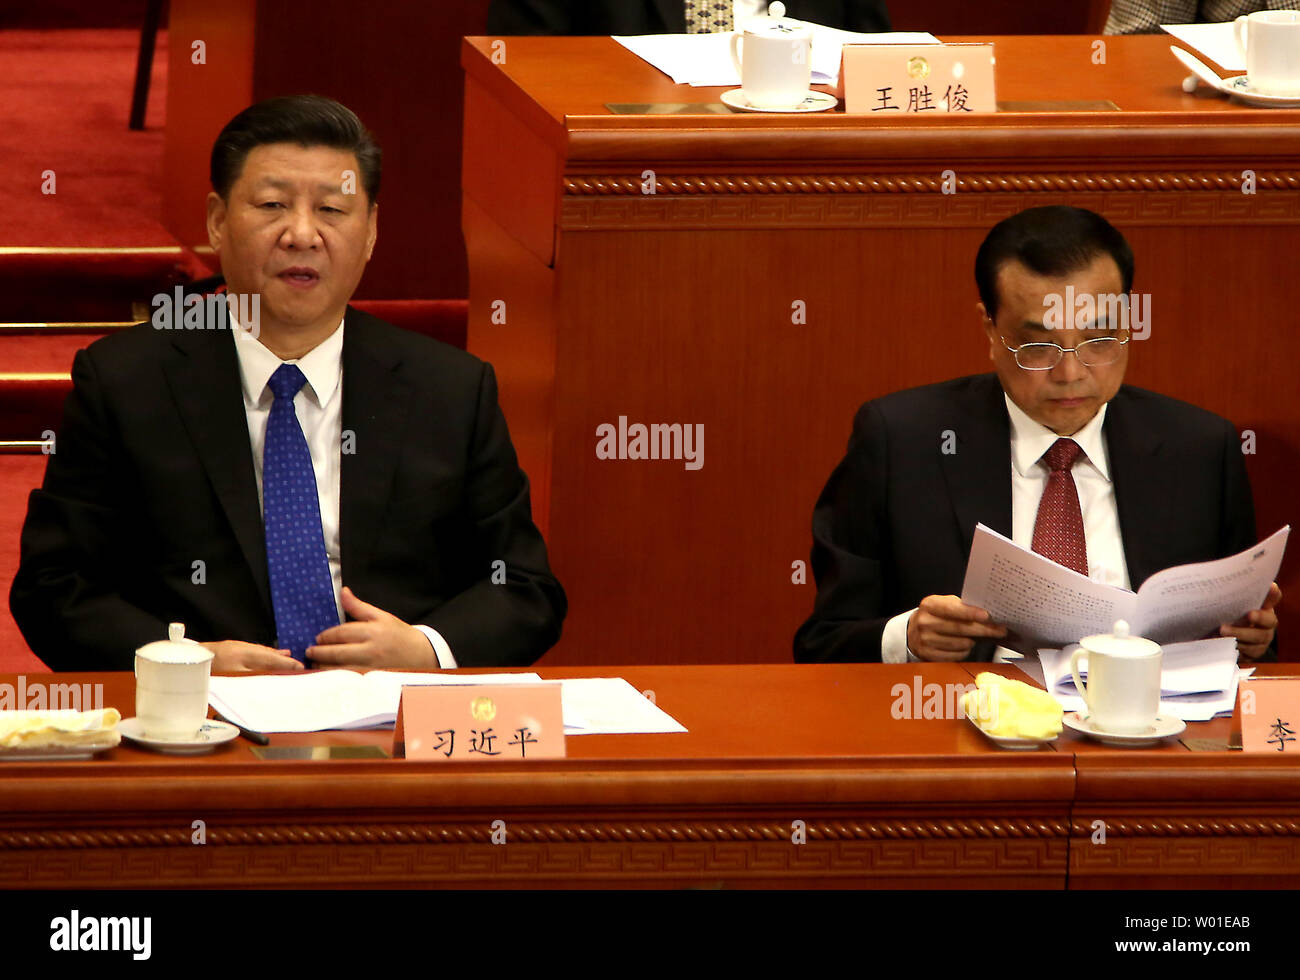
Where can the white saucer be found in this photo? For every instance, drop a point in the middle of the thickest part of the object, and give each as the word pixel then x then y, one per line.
pixel 815 102
pixel 212 734
pixel 1239 85
pixel 1163 727
pixel 63 751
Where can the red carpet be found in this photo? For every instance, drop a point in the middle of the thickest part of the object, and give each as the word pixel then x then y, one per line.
pixel 67 96
pixel 62 285
pixel 19 474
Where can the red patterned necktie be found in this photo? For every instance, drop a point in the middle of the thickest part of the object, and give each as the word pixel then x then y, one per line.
pixel 1058 529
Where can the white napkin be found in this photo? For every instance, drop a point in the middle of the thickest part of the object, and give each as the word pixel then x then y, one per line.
pixel 31 728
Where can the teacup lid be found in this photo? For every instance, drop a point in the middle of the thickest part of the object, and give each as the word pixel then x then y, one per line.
pixel 774 22
pixel 176 649
pixel 1120 643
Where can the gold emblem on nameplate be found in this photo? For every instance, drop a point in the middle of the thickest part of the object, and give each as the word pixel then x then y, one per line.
pixel 483 709
pixel 918 67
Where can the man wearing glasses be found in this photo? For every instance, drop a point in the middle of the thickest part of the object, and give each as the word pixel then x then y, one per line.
pixel 1052 450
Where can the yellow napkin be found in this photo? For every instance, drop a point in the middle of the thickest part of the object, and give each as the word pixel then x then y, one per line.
pixel 1002 706
pixel 37 729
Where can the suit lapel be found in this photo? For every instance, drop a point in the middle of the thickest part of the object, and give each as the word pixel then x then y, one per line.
pixel 673 13
pixel 979 472
pixel 375 404
pixel 205 384
pixel 1140 495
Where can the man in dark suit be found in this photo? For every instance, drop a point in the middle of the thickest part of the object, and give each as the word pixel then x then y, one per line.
pixel 303 485
pixel 626 17
pixel 1052 450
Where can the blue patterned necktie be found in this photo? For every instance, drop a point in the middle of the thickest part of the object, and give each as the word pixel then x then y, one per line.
pixel 302 591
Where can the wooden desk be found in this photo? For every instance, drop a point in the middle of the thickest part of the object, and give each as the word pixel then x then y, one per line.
pixel 677 306
pixel 885 802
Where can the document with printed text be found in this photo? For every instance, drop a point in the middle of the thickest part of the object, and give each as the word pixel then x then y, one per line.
pixel 316 701
pixel 1044 604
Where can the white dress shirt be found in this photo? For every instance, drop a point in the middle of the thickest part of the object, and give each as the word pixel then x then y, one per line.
pixel 1029 473
pixel 319 406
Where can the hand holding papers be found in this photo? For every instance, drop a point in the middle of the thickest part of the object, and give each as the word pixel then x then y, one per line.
pixel 1043 604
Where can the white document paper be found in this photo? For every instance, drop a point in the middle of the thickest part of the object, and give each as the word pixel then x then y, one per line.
pixel 318 701
pixel 612 706
pixel 1214 41
pixel 1044 604
pixel 345 699
pixel 705 59
pixel 1199 665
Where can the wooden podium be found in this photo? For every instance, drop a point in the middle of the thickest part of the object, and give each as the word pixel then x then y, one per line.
pixel 763 275
pixel 886 799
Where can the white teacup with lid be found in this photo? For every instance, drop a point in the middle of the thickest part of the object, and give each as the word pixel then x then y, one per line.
pixel 171 685
pixel 774 59
pixel 1123 691
pixel 1270 40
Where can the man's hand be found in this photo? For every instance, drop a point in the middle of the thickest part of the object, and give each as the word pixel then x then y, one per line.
pixel 945 628
pixel 1254 631
pixel 374 639
pixel 238 657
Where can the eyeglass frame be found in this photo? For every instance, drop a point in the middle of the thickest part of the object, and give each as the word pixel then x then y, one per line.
pixel 1015 351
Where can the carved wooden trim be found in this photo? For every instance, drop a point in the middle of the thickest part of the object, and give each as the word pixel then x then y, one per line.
pixel 927 183
pixel 1191 827
pixel 1187 856
pixel 585 832
pixel 930 862
pixel 919 208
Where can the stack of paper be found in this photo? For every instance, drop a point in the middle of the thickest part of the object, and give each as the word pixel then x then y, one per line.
pixel 1214 41
pixel 705 59
pixel 344 699
pixel 1198 680
pixel 611 706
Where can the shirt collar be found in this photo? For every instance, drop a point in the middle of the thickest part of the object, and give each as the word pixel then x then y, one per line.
pixel 322 365
pixel 1030 439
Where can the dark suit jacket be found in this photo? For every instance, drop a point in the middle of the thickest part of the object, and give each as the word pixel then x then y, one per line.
pixel 896 519
pixel 153 472
pixel 624 17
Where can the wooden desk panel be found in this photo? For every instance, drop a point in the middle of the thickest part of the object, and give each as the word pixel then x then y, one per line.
pixel 886 802
pixel 1167 817
pixel 677 306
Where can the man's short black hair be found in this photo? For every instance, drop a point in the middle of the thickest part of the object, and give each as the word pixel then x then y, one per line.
pixel 1050 241
pixel 307 120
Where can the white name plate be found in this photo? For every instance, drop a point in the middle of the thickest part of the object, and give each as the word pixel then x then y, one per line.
pixel 918 79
